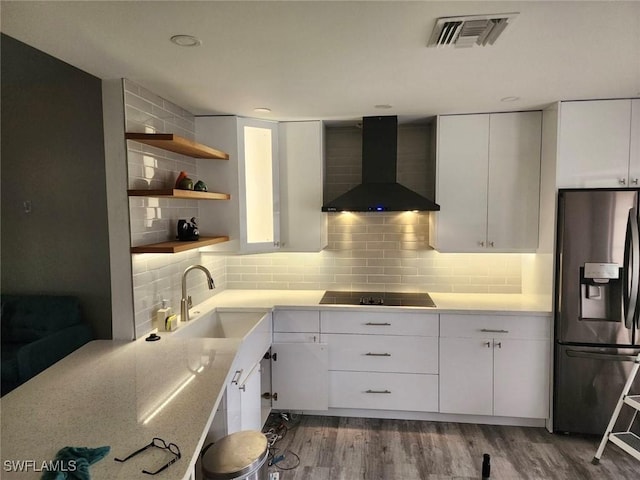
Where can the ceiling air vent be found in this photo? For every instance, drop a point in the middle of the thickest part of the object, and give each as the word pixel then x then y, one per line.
pixel 469 30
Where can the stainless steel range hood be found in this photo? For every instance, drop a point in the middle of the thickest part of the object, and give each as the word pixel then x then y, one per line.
pixel 379 190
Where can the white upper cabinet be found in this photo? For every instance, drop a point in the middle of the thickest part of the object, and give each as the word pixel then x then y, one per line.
pixel 599 144
pixel 251 176
pixel 514 181
pixel 462 178
pixel 488 180
pixel 303 226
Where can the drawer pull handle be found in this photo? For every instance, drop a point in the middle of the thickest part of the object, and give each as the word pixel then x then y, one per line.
pixel 236 377
pixel 378 391
pixel 379 324
pixel 371 354
pixel 488 330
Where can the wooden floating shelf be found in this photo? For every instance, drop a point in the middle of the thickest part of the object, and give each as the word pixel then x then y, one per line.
pixel 176 193
pixel 177 246
pixel 177 144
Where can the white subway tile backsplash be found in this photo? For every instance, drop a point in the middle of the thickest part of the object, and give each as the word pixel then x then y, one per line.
pixel 358 259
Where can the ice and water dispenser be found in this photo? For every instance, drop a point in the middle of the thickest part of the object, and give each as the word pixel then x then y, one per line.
pixel 601 292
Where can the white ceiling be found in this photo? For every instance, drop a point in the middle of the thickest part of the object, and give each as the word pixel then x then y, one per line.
pixel 336 60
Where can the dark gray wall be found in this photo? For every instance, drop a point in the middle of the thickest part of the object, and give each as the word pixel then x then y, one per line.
pixel 53 157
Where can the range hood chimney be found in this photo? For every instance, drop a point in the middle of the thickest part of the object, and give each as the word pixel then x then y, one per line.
pixel 379 190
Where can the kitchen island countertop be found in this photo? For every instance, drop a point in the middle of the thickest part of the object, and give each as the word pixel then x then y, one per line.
pixel 121 395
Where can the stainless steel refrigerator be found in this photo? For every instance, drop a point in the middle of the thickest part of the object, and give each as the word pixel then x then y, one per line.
pixel 596 306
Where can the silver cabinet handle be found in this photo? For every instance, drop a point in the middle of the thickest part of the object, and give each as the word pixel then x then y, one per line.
pixel 634 181
pixel 622 181
pixel 489 330
pixel 481 243
pixel 380 324
pixel 377 391
pixel 370 354
pixel 236 377
pixel 491 244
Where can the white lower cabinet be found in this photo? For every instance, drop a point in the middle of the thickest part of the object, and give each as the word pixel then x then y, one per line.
pixel 382 361
pixel 521 378
pixel 469 364
pixel 243 401
pixel 384 391
pixel 242 407
pixel 299 377
pixel 382 353
pixel 495 365
pixel 299 362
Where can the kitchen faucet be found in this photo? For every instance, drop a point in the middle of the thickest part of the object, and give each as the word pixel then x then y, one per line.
pixel 185 302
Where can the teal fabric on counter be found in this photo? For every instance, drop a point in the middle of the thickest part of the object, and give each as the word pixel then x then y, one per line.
pixel 72 463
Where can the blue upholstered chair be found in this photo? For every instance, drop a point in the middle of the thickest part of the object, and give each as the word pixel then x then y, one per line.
pixel 37 331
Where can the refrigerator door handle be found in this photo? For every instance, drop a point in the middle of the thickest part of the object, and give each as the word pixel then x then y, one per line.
pixel 631 269
pixel 602 356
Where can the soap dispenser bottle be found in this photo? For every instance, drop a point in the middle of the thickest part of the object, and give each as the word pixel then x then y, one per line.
pixel 162 314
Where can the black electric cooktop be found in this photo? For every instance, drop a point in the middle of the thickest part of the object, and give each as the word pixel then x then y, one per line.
pixel 391 299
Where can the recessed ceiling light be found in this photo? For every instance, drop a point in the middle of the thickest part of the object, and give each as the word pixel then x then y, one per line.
pixel 186 41
pixel 383 106
pixel 509 99
pixel 262 110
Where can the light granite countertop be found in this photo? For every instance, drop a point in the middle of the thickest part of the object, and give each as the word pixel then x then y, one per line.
pixel 121 395
pixel 445 302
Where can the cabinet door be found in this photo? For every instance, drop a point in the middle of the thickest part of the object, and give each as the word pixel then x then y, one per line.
pixel 634 158
pixel 461 191
pixel 259 195
pixel 303 225
pixel 593 148
pixel 300 376
pixel 251 217
pixel 514 181
pixel 466 378
pixel 521 378
pixel 233 403
pixel 251 401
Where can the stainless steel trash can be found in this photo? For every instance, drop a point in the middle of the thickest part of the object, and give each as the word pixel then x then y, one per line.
pixel 239 456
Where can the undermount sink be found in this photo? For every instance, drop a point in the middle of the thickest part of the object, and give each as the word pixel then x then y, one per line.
pixel 222 324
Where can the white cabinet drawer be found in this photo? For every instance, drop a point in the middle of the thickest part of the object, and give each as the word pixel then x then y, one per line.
pixel 380 323
pixel 378 353
pixel 296 321
pixel 495 326
pixel 383 391
pixel 296 337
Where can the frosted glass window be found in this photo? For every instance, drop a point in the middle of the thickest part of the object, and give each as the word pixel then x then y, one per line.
pixel 259 184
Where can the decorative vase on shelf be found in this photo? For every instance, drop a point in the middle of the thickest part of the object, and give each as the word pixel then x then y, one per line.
pixel 181 176
pixel 200 186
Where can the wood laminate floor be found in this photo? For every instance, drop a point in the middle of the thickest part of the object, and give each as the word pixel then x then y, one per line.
pixel 334 448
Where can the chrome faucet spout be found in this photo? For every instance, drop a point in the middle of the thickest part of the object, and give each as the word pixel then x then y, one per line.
pixel 185 301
